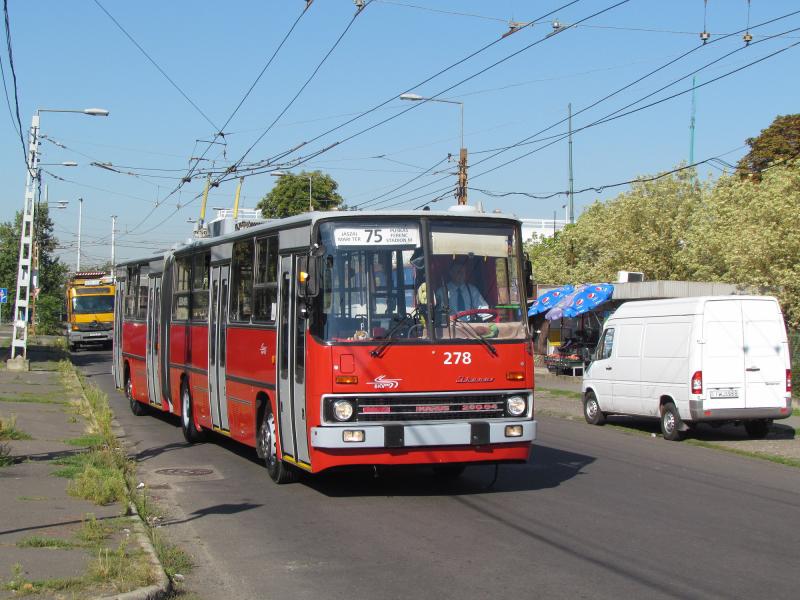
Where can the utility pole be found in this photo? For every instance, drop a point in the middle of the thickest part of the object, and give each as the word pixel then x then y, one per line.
pixel 19 342
pixel 113 241
pixel 461 190
pixel 571 211
pixel 691 125
pixel 80 221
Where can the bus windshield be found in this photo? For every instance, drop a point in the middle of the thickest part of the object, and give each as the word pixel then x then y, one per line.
pixel 375 285
pixel 83 305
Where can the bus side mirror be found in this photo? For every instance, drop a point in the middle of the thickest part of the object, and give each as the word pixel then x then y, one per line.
pixel 528 279
pixel 307 279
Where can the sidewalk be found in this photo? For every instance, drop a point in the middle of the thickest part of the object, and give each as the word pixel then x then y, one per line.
pixel 52 543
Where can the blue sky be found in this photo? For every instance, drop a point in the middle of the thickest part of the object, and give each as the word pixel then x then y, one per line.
pixel 71 55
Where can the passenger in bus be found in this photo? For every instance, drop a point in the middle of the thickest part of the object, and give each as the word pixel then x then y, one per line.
pixel 458 295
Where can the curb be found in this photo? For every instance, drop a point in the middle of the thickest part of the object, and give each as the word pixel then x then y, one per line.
pixel 163 585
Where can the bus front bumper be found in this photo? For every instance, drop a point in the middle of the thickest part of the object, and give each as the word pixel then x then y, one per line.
pixel 81 337
pixel 400 435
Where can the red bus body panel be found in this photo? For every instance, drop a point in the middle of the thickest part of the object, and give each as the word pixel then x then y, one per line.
pixel 134 342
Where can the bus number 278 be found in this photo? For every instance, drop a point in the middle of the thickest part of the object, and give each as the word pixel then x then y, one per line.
pixel 457 358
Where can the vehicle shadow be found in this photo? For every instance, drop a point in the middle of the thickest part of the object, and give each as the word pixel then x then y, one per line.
pixel 89 357
pixel 728 432
pixel 547 468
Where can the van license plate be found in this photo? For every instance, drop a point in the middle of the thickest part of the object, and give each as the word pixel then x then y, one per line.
pixel 725 393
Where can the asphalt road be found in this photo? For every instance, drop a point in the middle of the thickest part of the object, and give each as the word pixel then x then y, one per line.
pixel 596 513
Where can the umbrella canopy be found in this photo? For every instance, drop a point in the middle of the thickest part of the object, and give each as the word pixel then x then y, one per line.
pixel 584 299
pixel 549 299
pixel 557 311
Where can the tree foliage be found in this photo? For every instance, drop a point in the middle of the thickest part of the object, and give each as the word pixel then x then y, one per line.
pixel 290 196
pixel 52 272
pixel 778 142
pixel 675 228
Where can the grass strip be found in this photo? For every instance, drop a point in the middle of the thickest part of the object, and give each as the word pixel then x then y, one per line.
pixel 781 460
pixel 562 393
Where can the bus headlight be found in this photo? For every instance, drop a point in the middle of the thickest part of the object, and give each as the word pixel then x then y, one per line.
pixel 515 406
pixel 342 410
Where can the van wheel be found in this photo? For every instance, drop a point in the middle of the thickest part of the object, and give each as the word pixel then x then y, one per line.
pixel 757 429
pixel 671 423
pixel 591 410
pixel 279 471
pixel 191 432
pixel 137 408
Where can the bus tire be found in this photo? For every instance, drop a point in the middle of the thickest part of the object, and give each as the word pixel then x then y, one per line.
pixel 137 408
pixel 191 432
pixel 278 470
pixel 591 410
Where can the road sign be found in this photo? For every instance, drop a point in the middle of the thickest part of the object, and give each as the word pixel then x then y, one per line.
pixel 3 295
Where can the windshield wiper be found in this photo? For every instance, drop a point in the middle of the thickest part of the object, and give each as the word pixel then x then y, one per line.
pixel 388 340
pixel 489 346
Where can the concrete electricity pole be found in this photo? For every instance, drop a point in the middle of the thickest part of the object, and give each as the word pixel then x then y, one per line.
pixel 571 203
pixel 25 275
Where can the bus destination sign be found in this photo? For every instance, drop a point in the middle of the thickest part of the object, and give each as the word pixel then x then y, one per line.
pixel 396 235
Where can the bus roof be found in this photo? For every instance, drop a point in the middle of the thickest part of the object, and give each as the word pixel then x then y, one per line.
pixel 311 218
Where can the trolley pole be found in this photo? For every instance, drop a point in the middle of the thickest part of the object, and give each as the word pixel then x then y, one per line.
pixel 80 222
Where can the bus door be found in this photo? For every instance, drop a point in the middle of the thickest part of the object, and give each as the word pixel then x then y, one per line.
pixel 152 350
pixel 119 308
pixel 291 365
pixel 216 346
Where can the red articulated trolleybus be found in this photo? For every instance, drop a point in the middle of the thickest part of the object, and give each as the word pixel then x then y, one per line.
pixel 338 338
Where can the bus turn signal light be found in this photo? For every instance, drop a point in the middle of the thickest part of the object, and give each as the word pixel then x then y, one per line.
pixel 513 430
pixel 515 375
pixel 302 276
pixel 348 379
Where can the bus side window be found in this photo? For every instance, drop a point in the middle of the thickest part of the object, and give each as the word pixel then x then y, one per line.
pixel 265 287
pixel 200 276
pixel 241 297
pixel 182 289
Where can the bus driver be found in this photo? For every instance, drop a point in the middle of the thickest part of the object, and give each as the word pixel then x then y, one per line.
pixel 458 295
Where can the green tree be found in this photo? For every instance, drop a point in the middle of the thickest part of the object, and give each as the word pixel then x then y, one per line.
pixel 778 142
pixel 290 195
pixel 52 272
pixel 643 229
pixel 750 235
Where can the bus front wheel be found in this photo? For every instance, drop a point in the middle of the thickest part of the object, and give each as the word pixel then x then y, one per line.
pixel 278 470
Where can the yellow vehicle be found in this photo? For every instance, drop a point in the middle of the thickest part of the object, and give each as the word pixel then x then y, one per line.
pixel 90 309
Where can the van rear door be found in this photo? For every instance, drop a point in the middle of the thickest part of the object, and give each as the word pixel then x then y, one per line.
pixel 723 355
pixel 765 354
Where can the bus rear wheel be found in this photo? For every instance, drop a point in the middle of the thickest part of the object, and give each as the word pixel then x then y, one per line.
pixel 191 432
pixel 267 449
pixel 137 408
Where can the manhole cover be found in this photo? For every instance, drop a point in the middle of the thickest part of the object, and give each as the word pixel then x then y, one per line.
pixel 185 472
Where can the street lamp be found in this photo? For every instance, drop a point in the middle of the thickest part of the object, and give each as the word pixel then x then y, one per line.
pixel 418 98
pixel 25 267
pixel 309 177
pixel 461 189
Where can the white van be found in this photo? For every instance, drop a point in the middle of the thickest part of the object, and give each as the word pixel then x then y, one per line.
pixel 711 359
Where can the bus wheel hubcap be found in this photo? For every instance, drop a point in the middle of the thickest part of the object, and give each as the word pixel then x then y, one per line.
pixel 185 409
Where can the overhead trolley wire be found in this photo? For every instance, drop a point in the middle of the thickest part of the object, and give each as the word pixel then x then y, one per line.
pixel 559 137
pixel 15 87
pixel 155 64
